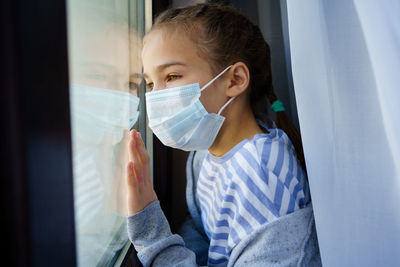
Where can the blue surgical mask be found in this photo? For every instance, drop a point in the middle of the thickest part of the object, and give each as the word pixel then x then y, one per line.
pixel 179 120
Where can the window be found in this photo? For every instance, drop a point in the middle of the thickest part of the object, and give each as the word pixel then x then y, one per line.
pixel 104 45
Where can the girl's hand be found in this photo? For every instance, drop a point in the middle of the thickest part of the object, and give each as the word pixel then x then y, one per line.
pixel 140 186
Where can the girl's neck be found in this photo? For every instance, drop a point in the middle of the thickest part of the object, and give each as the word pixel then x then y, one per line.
pixel 239 124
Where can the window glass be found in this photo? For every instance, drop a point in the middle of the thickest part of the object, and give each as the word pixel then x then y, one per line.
pixel 106 87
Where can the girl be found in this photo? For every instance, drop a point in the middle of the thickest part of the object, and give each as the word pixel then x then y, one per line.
pixel 208 66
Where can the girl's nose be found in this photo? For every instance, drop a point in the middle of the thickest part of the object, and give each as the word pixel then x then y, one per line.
pixel 157 87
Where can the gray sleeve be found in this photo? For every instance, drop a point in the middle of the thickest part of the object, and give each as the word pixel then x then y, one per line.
pixel 291 240
pixel 149 232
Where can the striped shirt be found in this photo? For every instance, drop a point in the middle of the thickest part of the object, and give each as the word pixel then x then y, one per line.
pixel 256 182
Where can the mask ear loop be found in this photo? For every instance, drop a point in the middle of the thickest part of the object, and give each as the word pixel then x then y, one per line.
pixel 226 104
pixel 219 75
pixel 210 82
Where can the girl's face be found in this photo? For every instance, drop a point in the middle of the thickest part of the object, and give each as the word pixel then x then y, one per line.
pixel 171 60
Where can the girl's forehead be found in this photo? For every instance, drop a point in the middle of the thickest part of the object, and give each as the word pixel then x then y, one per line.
pixel 162 44
pixel 166 38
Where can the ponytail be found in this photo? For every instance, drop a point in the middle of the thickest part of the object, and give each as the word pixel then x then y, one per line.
pixel 283 122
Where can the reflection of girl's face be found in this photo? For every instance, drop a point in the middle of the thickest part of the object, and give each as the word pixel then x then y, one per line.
pixel 171 60
pixel 105 56
pixel 108 59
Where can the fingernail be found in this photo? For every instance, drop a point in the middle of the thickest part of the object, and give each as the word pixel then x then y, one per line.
pixel 138 135
pixel 131 165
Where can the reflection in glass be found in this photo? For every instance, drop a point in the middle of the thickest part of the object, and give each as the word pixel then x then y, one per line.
pixel 105 67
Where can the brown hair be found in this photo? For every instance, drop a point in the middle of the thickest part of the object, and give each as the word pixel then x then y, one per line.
pixel 224 36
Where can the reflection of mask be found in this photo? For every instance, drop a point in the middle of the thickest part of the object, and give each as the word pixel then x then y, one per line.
pixel 99 118
pixel 96 111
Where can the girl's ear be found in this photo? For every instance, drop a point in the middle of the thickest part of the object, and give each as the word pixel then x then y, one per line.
pixel 238 79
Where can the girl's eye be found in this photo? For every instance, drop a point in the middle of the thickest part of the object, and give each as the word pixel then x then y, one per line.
pixel 149 86
pixel 173 77
pixel 133 86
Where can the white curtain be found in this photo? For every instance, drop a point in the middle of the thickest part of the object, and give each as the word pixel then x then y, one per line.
pixel 346 71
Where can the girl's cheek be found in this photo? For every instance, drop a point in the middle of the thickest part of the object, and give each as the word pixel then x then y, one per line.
pixel 212 99
pixel 176 83
pixel 205 100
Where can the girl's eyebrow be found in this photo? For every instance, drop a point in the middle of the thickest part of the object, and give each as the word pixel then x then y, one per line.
pixel 161 67
pixel 136 75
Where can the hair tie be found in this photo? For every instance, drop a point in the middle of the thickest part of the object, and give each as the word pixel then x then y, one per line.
pixel 277 106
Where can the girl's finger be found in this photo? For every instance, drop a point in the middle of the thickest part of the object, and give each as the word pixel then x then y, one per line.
pixel 132 145
pixel 137 164
pixel 130 176
pixel 144 156
pixel 138 174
